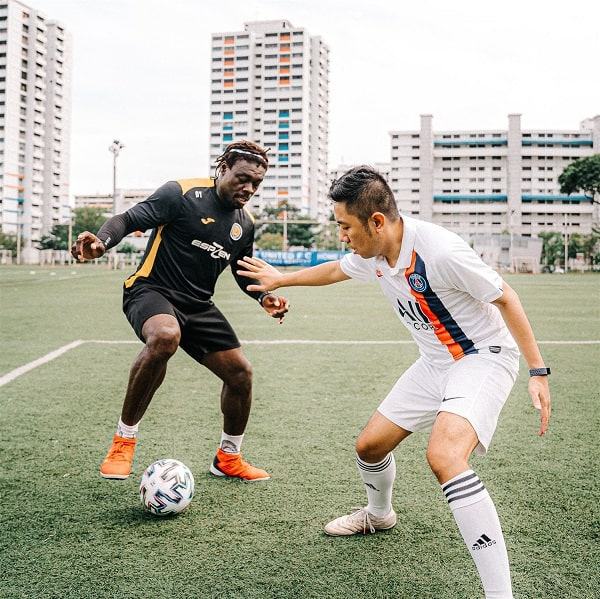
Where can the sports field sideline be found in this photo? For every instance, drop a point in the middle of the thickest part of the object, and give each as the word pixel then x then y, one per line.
pixel 68 533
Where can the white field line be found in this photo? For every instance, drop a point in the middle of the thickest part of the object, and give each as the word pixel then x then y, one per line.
pixel 17 372
pixel 13 374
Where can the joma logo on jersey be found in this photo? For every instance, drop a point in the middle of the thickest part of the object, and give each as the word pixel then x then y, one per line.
pixel 207 221
pixel 414 315
pixel 214 249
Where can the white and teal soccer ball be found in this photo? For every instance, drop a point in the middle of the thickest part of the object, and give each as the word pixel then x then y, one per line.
pixel 167 487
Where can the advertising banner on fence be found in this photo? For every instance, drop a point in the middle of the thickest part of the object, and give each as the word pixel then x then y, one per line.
pixel 298 258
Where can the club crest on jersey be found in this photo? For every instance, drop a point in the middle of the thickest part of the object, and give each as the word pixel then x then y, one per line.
pixel 378 273
pixel 236 231
pixel 417 282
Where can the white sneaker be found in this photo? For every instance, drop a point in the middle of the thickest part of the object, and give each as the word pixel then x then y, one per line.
pixel 361 522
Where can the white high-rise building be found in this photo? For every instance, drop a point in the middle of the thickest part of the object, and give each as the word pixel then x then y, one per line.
pixel 269 84
pixel 504 180
pixel 35 115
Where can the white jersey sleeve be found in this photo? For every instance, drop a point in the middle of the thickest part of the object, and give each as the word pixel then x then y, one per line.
pixel 462 269
pixel 358 268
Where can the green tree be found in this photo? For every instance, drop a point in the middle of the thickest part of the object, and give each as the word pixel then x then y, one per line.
pixel 8 242
pixel 552 247
pixel 270 241
pixel 582 175
pixel 84 219
pixel 576 244
pixel 298 234
pixel 57 239
pixel 591 246
pixel 327 238
pixel 87 219
pixel 126 248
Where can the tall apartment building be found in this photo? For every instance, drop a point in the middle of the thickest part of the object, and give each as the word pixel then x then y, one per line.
pixel 35 114
pixel 269 84
pixel 493 181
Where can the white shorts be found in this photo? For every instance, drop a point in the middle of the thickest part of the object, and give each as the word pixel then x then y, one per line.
pixel 475 387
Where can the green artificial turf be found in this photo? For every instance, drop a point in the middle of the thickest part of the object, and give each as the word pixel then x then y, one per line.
pixel 65 532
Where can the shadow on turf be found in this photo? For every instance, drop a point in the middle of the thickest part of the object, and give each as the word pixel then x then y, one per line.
pixel 127 516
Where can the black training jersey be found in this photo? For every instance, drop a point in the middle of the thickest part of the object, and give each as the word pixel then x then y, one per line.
pixel 195 238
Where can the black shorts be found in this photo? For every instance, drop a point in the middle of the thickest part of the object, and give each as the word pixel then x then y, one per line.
pixel 203 328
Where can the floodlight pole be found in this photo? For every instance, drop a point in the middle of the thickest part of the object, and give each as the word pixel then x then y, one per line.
pixel 115 148
pixel 18 234
pixel 510 248
pixel 566 245
pixel 285 230
pixel 70 238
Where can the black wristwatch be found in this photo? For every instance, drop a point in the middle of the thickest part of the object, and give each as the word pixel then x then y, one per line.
pixel 539 371
pixel 262 296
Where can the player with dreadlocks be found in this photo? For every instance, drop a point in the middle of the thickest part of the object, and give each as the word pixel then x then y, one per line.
pixel 197 231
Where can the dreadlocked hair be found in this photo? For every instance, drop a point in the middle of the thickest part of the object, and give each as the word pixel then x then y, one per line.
pixel 242 150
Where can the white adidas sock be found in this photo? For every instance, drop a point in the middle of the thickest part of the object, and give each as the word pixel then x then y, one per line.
pixel 475 514
pixel 231 443
pixel 379 481
pixel 129 432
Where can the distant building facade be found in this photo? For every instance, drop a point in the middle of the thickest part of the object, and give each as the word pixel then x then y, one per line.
pixel 505 180
pixel 125 199
pixel 270 84
pixel 35 117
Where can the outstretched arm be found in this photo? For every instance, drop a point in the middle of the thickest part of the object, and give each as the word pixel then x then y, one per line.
pixel 88 246
pixel 270 278
pixel 516 320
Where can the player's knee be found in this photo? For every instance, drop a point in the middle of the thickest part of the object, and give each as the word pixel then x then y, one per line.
pixel 164 341
pixel 442 458
pixel 369 450
pixel 240 378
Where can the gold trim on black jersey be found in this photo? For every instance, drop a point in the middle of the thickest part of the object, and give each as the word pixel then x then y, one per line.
pixel 187 184
pixel 249 213
pixel 148 263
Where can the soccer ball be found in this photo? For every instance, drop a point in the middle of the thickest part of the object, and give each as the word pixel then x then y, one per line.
pixel 167 487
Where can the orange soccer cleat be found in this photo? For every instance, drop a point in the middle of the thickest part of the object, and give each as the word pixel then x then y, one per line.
pixel 119 460
pixel 233 466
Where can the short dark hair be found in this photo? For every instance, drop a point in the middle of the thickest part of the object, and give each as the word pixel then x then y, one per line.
pixel 242 150
pixel 364 191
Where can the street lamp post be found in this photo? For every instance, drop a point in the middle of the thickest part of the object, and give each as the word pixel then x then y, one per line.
pixel 18 234
pixel 285 230
pixel 510 248
pixel 566 245
pixel 115 148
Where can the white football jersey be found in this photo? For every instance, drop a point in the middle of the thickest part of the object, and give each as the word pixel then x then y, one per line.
pixel 441 291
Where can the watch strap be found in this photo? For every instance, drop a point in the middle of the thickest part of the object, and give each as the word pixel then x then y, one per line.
pixel 539 371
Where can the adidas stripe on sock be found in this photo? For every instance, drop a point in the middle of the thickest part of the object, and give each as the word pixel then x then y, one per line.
pixel 477 520
pixel 379 481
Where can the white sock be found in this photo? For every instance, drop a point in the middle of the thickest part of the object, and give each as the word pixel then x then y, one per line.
pixel 124 430
pixel 475 514
pixel 379 481
pixel 231 443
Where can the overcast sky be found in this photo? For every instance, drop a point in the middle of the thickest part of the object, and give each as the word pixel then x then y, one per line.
pixel 142 73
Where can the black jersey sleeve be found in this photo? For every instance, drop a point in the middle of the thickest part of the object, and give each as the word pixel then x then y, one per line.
pixel 243 282
pixel 114 229
pixel 162 207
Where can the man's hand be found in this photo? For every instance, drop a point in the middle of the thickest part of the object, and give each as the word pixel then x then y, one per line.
pixel 255 268
pixel 87 247
pixel 275 306
pixel 540 397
